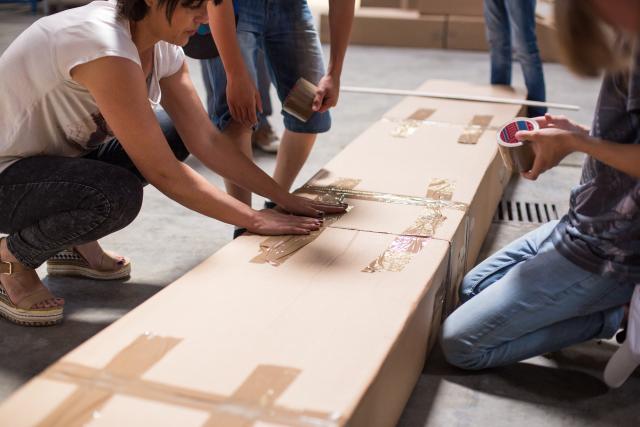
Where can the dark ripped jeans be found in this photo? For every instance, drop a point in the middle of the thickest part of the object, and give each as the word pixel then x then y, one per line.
pixel 50 203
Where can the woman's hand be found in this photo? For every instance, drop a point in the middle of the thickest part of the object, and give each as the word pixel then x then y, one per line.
pixel 550 145
pixel 327 94
pixel 243 99
pixel 272 223
pixel 302 206
pixel 560 122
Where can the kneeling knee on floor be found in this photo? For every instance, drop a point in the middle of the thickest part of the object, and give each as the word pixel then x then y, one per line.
pixel 460 353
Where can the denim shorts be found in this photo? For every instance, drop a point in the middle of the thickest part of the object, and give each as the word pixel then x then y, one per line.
pixel 283 30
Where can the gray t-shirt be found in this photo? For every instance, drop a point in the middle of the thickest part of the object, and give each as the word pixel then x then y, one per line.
pixel 601 232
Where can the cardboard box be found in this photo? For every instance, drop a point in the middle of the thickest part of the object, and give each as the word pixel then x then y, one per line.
pixel 312 342
pixel 469 33
pixel 547 40
pixel 451 7
pixel 392 27
pixel 407 163
pixel 400 4
pixel 466 33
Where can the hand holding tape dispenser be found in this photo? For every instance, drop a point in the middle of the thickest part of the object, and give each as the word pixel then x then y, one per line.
pixel 518 156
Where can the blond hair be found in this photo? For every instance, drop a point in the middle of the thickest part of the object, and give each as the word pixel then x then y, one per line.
pixel 587 45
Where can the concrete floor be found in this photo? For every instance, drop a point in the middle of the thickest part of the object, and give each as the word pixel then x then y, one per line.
pixel 167 240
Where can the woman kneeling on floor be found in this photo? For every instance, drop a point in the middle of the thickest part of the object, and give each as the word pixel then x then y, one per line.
pixel 79 137
pixel 567 281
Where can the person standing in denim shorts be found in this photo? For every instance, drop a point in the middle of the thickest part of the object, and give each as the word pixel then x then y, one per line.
pixel 284 32
pixel 515 18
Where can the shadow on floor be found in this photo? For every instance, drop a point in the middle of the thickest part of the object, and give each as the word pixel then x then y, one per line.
pixel 90 307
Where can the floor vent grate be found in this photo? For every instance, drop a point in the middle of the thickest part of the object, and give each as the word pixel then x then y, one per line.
pixel 526 212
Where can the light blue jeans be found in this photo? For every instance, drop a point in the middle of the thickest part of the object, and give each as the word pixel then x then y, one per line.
pixel 527 300
pixel 515 18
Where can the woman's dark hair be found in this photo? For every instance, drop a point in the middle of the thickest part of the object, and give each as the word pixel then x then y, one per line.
pixel 135 10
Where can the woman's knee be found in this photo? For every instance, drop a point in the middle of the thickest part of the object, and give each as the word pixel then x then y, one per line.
pixel 122 193
pixel 457 348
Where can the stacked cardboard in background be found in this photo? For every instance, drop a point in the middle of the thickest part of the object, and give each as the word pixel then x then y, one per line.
pixel 442 24
pixel 328 329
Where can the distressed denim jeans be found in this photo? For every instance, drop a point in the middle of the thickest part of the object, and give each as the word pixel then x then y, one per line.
pixel 50 203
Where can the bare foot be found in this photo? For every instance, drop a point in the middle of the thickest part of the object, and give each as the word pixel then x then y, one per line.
pixel 22 284
pixel 98 258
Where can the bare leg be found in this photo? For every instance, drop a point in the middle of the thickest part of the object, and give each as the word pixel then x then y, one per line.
pixel 242 135
pixel 294 150
pixel 98 258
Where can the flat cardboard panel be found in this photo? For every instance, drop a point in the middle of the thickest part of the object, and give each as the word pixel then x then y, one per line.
pixel 317 313
pixel 450 7
pixel 392 27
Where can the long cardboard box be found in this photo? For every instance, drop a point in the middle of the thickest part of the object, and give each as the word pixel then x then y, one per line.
pixel 312 342
pixel 330 329
pixel 392 27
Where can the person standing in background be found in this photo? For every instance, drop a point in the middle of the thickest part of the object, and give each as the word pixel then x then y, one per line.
pixel 284 32
pixel 507 19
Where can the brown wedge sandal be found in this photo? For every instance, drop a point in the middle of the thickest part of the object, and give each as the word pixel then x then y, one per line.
pixel 70 262
pixel 21 312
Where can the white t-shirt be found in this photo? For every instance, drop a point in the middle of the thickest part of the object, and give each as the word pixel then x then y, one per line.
pixel 42 110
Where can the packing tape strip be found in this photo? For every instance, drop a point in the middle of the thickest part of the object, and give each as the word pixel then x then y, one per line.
pixel 253 401
pixel 475 129
pixel 383 197
pixel 412 123
pixel 276 250
pixel 470 135
pixel 397 255
pixel 441 189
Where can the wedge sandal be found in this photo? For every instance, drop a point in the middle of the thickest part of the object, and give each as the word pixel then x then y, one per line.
pixel 70 262
pixel 21 311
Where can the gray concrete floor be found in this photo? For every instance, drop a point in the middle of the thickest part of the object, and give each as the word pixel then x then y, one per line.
pixel 167 240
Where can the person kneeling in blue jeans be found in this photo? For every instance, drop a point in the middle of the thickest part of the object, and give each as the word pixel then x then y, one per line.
pixel 567 281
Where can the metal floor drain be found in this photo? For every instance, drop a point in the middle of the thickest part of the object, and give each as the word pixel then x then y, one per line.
pixel 525 212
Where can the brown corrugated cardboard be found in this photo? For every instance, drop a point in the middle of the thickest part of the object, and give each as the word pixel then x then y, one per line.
pixel 392 27
pixel 466 33
pixel 450 7
pixel 547 40
pixel 402 4
pixel 469 33
pixel 343 339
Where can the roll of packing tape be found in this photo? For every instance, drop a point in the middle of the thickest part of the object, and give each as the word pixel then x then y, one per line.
pixel 517 155
pixel 299 101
